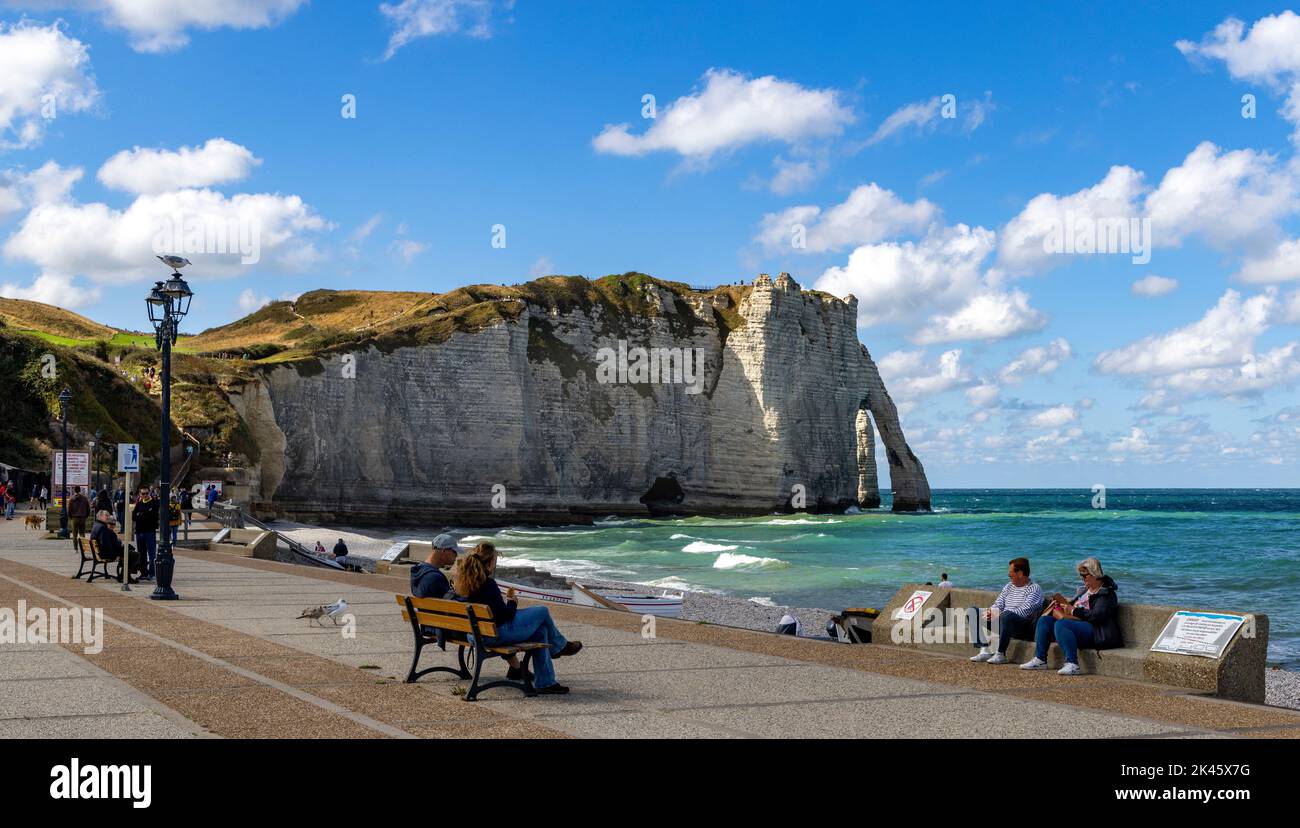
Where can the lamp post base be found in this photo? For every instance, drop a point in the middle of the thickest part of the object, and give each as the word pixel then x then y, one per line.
pixel 162 593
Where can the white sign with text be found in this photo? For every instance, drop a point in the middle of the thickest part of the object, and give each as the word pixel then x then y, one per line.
pixel 1197 633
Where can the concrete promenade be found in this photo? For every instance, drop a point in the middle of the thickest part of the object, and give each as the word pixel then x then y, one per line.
pixel 232 660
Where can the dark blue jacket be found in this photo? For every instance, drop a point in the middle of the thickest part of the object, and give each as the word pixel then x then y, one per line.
pixel 427 581
pixel 1102 614
pixel 503 611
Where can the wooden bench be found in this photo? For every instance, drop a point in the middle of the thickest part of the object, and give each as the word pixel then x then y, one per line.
pixel 89 552
pixel 465 625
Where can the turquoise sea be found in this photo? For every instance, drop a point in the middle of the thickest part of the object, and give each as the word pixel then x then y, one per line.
pixel 1230 549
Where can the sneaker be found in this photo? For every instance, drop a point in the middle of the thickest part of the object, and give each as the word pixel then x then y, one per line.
pixel 983 655
pixel 998 658
pixel 1034 663
pixel 1069 670
pixel 553 690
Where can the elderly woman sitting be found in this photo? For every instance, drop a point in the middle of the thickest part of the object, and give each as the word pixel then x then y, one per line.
pixel 1089 619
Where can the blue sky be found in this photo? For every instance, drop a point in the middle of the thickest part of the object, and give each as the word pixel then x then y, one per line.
pixel 1011 366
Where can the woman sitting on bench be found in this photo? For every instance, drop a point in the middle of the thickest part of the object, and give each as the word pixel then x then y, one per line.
pixel 1089 619
pixel 472 579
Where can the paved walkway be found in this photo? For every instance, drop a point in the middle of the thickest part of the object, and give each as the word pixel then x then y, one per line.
pixel 231 659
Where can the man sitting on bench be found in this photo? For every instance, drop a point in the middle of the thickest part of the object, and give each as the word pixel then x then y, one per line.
pixel 106 540
pixel 427 580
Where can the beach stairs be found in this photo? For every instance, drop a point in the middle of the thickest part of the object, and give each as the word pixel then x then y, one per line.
pixel 941 624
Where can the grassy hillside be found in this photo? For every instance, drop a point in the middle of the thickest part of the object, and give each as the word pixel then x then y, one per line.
pixel 101 400
pixel 325 321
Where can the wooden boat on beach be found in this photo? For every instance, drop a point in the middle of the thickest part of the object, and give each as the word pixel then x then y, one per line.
pixel 664 606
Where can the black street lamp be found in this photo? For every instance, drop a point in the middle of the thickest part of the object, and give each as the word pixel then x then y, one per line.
pixel 65 397
pixel 95 448
pixel 168 303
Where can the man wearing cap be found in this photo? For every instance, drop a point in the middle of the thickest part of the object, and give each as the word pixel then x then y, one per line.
pixel 427 580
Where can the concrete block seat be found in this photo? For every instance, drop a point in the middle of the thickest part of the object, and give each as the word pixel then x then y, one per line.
pixel 246 543
pixel 1237 674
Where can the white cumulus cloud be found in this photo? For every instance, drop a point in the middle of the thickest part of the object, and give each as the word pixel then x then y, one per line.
pixel 1041 360
pixel 155 171
pixel 44 75
pixel 731 111
pixel 869 214
pixel 1153 285
pixel 163 25
pixel 1054 417
pixel 1024 244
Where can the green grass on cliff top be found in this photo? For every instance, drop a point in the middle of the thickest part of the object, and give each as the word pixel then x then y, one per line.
pixel 328 321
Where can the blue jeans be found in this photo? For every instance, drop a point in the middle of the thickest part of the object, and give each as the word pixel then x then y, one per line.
pixel 147 544
pixel 1070 633
pixel 1010 625
pixel 533 624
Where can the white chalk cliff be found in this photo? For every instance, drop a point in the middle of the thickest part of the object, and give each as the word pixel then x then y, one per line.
pixel 509 422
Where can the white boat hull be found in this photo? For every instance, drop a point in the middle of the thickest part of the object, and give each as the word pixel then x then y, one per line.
pixel 663 606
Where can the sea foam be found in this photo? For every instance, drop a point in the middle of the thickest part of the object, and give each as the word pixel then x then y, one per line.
pixel 728 560
pixel 705 546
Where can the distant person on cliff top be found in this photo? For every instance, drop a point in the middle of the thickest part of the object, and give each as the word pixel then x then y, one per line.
pixel 472 579
pixel 944 583
pixel 1019 604
pixel 1089 619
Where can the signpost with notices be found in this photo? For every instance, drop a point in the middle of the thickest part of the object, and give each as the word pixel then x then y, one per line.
pixel 78 469
pixel 1197 633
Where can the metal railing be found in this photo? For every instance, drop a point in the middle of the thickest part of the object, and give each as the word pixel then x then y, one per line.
pixel 234 517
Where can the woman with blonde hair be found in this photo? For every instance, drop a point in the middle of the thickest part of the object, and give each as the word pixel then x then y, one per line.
pixel 472 579
pixel 1089 619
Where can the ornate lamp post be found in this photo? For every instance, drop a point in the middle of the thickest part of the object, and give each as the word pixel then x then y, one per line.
pixel 168 303
pixel 95 446
pixel 65 397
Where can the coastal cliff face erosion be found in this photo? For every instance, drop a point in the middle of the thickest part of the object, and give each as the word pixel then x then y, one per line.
pixel 565 399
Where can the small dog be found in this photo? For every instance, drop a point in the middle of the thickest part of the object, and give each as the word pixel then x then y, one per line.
pixel 33 522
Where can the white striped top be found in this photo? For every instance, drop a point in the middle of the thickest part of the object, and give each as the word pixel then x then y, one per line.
pixel 1024 601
